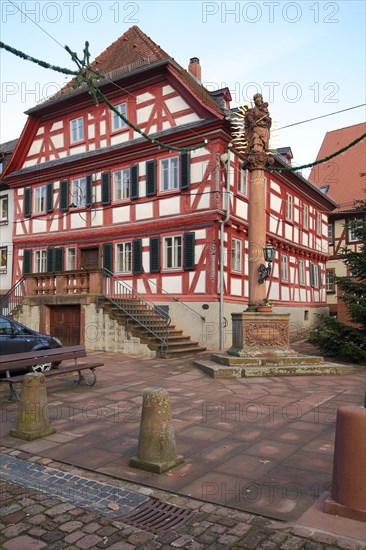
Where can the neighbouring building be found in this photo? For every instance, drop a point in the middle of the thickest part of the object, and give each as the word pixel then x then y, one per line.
pixel 6 222
pixel 340 178
pixel 113 230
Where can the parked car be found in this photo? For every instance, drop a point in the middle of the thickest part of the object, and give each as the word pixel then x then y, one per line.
pixel 17 338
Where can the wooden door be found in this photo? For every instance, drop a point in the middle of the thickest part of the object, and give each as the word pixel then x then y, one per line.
pixel 65 324
pixel 89 258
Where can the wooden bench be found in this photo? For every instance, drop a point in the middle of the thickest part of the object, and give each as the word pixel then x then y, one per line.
pixel 11 363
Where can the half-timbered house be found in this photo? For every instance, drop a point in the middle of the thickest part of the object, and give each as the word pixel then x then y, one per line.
pixel 341 178
pixel 113 229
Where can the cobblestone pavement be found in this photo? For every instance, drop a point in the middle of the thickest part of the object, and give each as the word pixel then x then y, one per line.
pixel 47 504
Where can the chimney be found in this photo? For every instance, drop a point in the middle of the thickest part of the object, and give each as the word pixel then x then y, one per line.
pixel 194 67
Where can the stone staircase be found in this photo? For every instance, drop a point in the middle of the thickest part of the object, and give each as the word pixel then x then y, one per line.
pixel 177 344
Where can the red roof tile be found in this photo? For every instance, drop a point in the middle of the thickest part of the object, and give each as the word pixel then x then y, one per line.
pixel 342 173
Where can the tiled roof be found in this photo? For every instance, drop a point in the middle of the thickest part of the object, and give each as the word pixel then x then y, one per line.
pixel 8 146
pixel 132 51
pixel 342 173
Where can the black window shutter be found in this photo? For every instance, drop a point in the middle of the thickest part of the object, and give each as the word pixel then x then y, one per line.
pixel 135 181
pixel 320 279
pixel 89 190
pixel 28 202
pixel 59 259
pixel 185 171
pixel 107 256
pixel 150 178
pixel 312 278
pixel 155 255
pixel 27 262
pixel 64 195
pixel 51 255
pixel 106 188
pixel 49 197
pixel 189 241
pixel 137 256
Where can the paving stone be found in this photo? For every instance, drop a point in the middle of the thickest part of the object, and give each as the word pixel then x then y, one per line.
pixel 14 530
pixel 219 529
pixel 239 529
pixel 73 537
pixel 228 539
pixel 59 509
pixel 36 532
pixel 88 542
pixel 92 527
pixel 182 541
pixel 310 545
pixel 52 536
pixel 38 519
pixel 25 543
pixel 33 509
pixel 347 544
pixel 140 537
pixel 70 526
pixel 6 510
pixel 302 532
pixel 292 543
pixel 251 541
pixel 326 538
pixel 14 518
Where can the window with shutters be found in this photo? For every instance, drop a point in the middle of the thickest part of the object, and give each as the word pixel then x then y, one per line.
pixel 78 192
pixel 124 257
pixel 354 228
pixel 173 252
pixel 117 122
pixel 71 259
pixel 236 255
pixel 40 197
pixel 76 130
pixel 314 275
pixel 169 174
pixel 3 258
pixel 284 268
pixel 122 182
pixel 4 210
pixel 40 261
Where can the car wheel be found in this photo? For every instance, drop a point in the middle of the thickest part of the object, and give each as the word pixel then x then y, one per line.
pixel 41 367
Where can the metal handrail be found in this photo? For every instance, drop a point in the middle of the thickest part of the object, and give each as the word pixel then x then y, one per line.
pixel 175 298
pixel 148 315
pixel 13 298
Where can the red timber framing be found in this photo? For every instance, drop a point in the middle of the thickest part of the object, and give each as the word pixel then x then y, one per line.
pixel 83 182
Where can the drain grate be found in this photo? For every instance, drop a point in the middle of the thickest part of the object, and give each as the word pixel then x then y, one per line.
pixel 157 517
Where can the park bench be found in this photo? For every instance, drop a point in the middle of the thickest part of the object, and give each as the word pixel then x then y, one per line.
pixel 9 364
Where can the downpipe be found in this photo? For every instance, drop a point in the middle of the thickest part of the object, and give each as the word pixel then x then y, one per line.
pixel 225 159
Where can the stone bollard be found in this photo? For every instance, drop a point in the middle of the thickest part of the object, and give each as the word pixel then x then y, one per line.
pixel 348 497
pixel 33 419
pixel 156 448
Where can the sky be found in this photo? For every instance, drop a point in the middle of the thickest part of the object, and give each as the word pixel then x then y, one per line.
pixel 307 58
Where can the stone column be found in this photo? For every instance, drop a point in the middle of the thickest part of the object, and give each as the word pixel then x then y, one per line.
pixel 257 235
pixel 33 419
pixel 156 448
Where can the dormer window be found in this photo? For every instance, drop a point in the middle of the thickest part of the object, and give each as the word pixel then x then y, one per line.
pixel 117 122
pixel 77 130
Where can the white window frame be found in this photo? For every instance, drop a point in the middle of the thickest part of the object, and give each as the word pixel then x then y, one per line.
pixel 40 261
pixel 318 223
pixel 4 209
pixel 3 258
pixel 169 174
pixel 40 199
pixel 236 255
pixel 243 182
pixel 284 268
pixel 330 233
pixel 351 236
pixel 305 221
pixel 329 281
pixel 124 257
pixel 302 272
pixel 77 130
pixel 173 252
pixel 117 122
pixel 122 184
pixel 78 192
pixel 289 207
pixel 71 259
